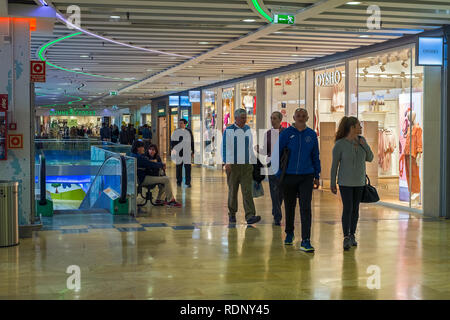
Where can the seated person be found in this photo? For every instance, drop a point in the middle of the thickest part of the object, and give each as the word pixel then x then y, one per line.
pixel 153 153
pixel 148 173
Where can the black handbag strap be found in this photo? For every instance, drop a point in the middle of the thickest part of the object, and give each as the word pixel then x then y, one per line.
pixel 367 178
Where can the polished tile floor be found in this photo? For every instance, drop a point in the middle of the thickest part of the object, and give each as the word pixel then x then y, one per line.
pixel 192 253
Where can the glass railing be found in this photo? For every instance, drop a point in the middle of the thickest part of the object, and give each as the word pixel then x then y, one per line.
pixel 73 152
pixel 115 180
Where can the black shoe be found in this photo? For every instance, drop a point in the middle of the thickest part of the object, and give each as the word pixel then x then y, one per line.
pixel 232 219
pixel 179 184
pixel 353 240
pixel 253 219
pixel 277 223
pixel 347 243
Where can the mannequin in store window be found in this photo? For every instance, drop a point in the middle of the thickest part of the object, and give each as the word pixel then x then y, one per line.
pixel 248 103
pixel 412 154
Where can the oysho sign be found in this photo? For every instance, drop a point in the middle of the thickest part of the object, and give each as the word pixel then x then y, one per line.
pixel 72 112
pixel 327 79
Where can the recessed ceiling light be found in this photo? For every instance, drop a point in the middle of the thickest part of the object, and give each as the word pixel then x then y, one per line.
pixel 114 17
pixel 149 69
pixel 203 42
pixel 76 69
pixel 249 20
pixel 353 3
pixel 224 53
pixel 364 36
pixel 84 56
pixel 294 55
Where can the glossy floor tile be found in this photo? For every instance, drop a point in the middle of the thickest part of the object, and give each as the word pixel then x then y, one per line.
pixel 192 253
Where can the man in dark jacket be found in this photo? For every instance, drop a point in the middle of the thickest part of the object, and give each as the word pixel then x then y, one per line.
pixel 105 133
pixel 123 135
pixel 131 134
pixel 187 166
pixel 302 175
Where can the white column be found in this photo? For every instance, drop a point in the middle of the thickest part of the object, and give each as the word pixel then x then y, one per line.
pixel 15 81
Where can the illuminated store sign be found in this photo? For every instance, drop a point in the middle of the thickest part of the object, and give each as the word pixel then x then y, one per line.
pixel 174 101
pixel 194 96
pixel 328 79
pixel 72 112
pixel 430 51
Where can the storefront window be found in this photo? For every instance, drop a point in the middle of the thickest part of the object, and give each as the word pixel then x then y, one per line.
pixel 390 108
pixel 228 107
pixel 287 93
pixel 247 98
pixel 329 108
pixel 209 126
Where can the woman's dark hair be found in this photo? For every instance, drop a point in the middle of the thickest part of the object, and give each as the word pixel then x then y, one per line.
pixel 136 145
pixel 153 146
pixel 344 127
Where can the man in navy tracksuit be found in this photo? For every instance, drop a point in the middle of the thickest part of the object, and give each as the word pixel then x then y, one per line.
pixel 302 174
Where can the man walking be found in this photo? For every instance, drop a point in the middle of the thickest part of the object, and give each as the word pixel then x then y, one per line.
pixel 302 174
pixel 187 166
pixel 276 193
pixel 239 171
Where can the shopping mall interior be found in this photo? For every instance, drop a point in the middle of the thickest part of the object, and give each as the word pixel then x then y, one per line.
pixel 83 82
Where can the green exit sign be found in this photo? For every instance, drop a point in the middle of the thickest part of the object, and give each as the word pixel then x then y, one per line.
pixel 113 93
pixel 284 19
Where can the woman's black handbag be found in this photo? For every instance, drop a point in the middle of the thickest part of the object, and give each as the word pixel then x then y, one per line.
pixel 369 194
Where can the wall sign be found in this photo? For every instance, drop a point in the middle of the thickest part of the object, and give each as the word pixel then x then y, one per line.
pixel 194 96
pixel 15 141
pixel 72 112
pixel 37 71
pixel 328 79
pixel 430 51
pixel 161 112
pixel 3 102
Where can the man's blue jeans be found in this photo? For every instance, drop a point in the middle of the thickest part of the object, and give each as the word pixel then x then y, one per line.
pixel 277 197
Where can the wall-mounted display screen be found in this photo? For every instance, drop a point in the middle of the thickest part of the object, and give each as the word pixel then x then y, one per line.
pixel 194 96
pixel 174 101
pixel 184 101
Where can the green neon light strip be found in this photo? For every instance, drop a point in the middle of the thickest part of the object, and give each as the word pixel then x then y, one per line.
pixel 59 104
pixel 261 11
pixel 47 45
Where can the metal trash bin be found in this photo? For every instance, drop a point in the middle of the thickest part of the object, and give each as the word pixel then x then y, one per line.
pixel 9 213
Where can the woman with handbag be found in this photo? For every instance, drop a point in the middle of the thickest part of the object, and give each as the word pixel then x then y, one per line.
pixel 350 154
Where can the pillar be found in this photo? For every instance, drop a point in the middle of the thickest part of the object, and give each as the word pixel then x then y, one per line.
pixel 15 81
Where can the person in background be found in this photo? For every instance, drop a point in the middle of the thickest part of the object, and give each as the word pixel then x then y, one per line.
pixel 114 133
pixel 146 134
pixel 187 166
pixel 239 173
pixel 131 134
pixel 302 175
pixel 123 135
pixel 350 154
pixel 148 173
pixel 276 193
pixel 73 133
pixel 105 133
